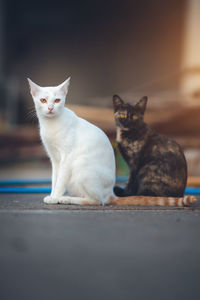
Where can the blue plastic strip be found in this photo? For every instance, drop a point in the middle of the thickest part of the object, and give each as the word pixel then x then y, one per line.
pixel 122 178
pixel 192 191
pixel 25 190
pixel 119 179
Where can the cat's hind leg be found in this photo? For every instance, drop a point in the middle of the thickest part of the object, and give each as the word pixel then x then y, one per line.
pixel 77 200
pixel 88 192
pixel 129 190
pixel 92 189
pixel 118 191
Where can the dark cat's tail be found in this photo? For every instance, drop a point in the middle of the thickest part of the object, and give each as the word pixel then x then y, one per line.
pixel 152 201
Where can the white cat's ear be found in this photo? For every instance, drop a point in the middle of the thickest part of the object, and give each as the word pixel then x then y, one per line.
pixel 34 88
pixel 64 87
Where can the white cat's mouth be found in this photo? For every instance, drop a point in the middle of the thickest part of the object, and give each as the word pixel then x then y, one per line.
pixel 50 114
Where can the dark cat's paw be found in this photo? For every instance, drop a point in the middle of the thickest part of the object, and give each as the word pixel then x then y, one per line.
pixel 118 191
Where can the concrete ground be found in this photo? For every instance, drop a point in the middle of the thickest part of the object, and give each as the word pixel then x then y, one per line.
pixel 62 252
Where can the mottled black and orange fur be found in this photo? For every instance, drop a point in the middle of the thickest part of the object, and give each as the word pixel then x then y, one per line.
pixel 157 163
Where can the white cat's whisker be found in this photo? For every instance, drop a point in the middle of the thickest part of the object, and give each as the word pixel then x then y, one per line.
pixel 31 115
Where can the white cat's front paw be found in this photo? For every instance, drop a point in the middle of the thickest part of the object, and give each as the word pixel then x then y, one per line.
pixel 50 200
pixel 64 200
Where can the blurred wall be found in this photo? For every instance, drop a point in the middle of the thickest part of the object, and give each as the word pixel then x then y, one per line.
pixel 105 46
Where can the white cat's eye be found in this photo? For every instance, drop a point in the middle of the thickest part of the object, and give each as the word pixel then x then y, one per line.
pixel 57 100
pixel 43 100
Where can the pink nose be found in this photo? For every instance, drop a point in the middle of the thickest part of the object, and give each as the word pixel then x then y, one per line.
pixel 50 109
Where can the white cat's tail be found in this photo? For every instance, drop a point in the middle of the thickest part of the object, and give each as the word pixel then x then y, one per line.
pixel 152 201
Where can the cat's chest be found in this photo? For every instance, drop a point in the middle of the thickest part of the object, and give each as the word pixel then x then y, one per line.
pixel 129 146
pixel 53 138
pixel 119 135
pixel 50 134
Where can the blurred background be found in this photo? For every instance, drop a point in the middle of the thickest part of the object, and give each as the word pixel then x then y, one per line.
pixel 131 47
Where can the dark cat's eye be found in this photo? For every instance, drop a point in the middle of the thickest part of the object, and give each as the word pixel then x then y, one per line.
pixel 122 116
pixel 134 117
pixel 57 100
pixel 43 100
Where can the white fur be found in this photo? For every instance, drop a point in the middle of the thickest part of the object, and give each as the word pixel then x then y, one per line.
pixel 81 155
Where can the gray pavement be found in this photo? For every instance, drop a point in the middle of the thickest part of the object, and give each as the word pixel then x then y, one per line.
pixel 35 202
pixel 62 252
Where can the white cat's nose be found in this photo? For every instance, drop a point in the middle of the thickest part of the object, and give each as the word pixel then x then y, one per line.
pixel 50 109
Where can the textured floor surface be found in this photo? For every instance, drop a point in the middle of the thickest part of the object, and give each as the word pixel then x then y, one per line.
pixel 35 202
pixel 61 252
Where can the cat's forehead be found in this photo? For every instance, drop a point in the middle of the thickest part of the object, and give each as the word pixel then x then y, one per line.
pixel 127 107
pixel 50 92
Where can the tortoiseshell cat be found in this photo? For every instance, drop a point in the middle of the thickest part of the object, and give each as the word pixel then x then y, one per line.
pixel 157 163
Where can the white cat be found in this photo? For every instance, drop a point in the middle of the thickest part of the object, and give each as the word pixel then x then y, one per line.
pixel 82 157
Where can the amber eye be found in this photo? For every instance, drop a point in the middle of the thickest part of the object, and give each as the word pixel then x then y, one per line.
pixel 122 116
pixel 43 100
pixel 134 117
pixel 57 100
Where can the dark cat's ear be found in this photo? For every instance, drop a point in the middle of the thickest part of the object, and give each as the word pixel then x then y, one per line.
pixel 141 105
pixel 117 102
